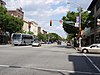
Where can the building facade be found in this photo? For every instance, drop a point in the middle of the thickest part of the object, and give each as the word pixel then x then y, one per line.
pixel 30 27
pixel 39 30
pixel 34 28
pixel 2 3
pixel 94 35
pixel 16 13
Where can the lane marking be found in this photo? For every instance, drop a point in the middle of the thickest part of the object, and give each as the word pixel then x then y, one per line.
pixel 92 62
pixel 49 70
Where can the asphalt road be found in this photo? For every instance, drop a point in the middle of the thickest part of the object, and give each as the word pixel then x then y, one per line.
pixel 47 60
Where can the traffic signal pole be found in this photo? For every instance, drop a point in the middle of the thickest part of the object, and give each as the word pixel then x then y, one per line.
pixel 80 28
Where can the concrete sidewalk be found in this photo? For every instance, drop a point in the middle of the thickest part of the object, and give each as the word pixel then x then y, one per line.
pixel 5 45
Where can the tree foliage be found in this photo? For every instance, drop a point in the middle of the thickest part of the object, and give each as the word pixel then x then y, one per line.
pixel 42 37
pixel 49 37
pixel 71 16
pixel 70 36
pixel 54 37
pixel 9 23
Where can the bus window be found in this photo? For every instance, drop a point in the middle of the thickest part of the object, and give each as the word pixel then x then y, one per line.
pixel 16 36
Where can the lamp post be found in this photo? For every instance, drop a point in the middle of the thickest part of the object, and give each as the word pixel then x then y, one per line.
pixel 80 38
pixel 79 8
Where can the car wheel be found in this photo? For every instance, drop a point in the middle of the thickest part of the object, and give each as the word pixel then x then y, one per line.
pixel 84 51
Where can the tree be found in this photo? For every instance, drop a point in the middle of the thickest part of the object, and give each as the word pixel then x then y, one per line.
pixel 2 17
pixel 71 16
pixel 9 23
pixel 14 24
pixel 70 36
pixel 49 37
pixel 53 37
pixel 42 37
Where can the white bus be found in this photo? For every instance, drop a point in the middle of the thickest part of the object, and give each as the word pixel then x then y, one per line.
pixel 21 39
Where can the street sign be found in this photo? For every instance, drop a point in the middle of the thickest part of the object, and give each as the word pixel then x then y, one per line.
pixel 68 22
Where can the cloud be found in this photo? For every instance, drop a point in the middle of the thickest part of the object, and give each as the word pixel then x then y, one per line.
pixel 83 3
pixel 60 10
pixel 53 1
pixel 42 11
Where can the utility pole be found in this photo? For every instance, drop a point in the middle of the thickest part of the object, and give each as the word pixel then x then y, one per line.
pixel 80 28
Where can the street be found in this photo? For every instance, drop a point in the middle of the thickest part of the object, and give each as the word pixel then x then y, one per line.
pixel 47 60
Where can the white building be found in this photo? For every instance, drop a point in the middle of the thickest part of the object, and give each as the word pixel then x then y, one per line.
pixel 34 28
pixel 30 27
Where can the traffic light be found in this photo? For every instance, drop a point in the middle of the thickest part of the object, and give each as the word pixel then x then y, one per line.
pixel 50 22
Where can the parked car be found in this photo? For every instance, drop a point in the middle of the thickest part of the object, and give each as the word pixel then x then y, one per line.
pixel 91 48
pixel 68 44
pixel 36 44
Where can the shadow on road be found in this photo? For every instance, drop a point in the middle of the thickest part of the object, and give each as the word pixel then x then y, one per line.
pixel 82 66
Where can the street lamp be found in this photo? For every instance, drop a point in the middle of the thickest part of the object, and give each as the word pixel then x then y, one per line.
pixel 79 8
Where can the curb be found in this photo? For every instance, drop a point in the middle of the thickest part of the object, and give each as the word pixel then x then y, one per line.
pixel 6 45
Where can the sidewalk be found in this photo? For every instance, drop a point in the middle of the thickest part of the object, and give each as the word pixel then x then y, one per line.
pixel 5 45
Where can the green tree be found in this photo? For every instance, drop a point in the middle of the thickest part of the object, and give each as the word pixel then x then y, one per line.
pixel 71 16
pixel 2 17
pixel 42 37
pixel 54 37
pixel 69 37
pixel 13 24
pixel 9 23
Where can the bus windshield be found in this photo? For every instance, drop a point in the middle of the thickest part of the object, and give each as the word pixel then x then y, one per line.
pixel 16 36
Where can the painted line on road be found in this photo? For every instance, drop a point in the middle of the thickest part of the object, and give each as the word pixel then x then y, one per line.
pixel 56 70
pixel 92 62
pixel 49 70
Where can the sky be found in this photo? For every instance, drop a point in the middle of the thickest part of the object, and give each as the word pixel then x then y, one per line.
pixel 42 11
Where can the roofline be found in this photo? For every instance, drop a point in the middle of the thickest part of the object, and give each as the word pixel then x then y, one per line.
pixel 92 4
pixel 3 2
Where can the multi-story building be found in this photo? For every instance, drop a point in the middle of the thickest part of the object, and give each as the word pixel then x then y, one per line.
pixel 31 27
pixel 16 13
pixel 39 30
pixel 2 3
pixel 25 26
pixel 34 28
pixel 94 35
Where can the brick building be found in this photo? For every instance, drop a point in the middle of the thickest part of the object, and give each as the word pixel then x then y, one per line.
pixel 16 13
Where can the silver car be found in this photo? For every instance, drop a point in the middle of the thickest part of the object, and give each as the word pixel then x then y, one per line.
pixel 36 44
pixel 91 48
